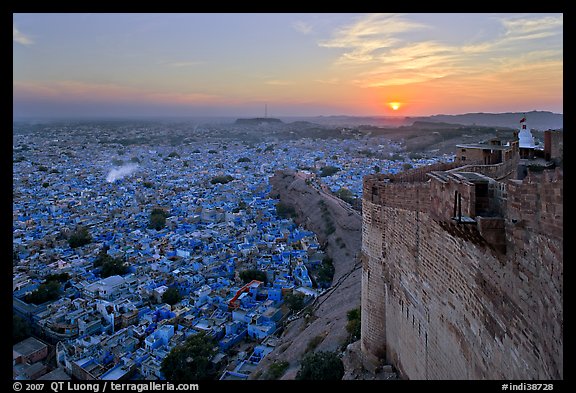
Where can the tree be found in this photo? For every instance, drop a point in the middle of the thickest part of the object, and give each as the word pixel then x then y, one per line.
pixel 277 369
pixel 325 272
pixel 80 237
pixel 110 266
pixel 157 219
pixel 171 296
pixel 221 179
pixel 346 195
pixel 115 267
pixel 47 291
pixel 253 274
pixel 61 277
pixel 285 211
pixel 328 171
pixel 353 326
pixel 321 366
pixel 191 360
pixel 21 329
pixel 295 302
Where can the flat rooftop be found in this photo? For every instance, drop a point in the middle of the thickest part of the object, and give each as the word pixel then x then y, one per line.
pixel 484 146
pixel 28 346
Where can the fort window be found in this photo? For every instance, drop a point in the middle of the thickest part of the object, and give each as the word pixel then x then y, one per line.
pixel 482 200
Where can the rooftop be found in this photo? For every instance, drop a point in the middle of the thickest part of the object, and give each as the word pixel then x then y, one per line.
pixel 28 346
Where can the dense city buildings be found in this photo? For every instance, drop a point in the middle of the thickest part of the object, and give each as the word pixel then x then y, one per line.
pixel 108 218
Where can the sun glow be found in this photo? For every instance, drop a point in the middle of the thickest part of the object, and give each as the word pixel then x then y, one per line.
pixel 394 105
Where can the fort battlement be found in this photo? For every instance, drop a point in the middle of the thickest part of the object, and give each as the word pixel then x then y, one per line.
pixel 462 272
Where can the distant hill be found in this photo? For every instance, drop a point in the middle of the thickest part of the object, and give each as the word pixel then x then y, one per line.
pixel 540 120
pixel 258 120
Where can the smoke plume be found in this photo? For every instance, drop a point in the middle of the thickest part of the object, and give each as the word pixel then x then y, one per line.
pixel 120 172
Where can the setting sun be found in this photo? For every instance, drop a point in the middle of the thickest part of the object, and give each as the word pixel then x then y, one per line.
pixel 394 105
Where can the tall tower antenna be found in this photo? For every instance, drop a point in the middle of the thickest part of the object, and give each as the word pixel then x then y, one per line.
pixel 265 111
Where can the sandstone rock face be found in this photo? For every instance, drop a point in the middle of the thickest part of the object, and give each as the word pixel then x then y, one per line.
pixel 328 318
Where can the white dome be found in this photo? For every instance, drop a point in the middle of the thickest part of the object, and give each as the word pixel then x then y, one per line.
pixel 526 138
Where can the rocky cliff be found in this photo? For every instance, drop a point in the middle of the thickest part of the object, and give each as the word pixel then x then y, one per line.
pixel 327 319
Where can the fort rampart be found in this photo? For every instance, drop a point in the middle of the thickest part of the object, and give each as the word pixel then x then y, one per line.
pixel 462 274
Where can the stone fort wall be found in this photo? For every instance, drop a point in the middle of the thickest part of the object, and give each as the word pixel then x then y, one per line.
pixel 442 300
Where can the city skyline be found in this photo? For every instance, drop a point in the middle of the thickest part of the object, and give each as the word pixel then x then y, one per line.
pixel 291 64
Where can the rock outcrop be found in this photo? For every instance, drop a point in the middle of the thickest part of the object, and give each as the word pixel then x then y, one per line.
pixel 326 322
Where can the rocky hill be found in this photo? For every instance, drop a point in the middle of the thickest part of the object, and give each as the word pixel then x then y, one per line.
pixel 326 322
pixel 541 120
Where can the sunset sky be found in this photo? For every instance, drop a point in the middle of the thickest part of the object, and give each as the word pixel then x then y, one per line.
pixel 296 64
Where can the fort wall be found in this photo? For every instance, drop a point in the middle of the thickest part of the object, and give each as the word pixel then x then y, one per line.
pixel 482 299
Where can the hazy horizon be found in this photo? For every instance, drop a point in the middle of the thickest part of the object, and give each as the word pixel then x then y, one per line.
pixel 298 65
pixel 234 117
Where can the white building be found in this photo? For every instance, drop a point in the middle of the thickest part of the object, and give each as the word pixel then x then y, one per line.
pixel 107 288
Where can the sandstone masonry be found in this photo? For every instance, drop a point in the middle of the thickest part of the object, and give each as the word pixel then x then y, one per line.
pixel 462 273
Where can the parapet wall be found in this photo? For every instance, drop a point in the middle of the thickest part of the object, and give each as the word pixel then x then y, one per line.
pixel 439 305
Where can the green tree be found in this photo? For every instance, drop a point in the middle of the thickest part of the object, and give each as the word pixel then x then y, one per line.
pixel 326 272
pixel 21 329
pixel 321 366
pixel 79 237
pixel 346 195
pixel 47 291
pixel 328 171
pixel 157 219
pixel 241 206
pixel 295 302
pixel 171 296
pixel 277 369
pixel 191 361
pixel 221 179
pixel 62 277
pixel 353 326
pixel 253 274
pixel 285 211
pixel 110 266
pixel 115 267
